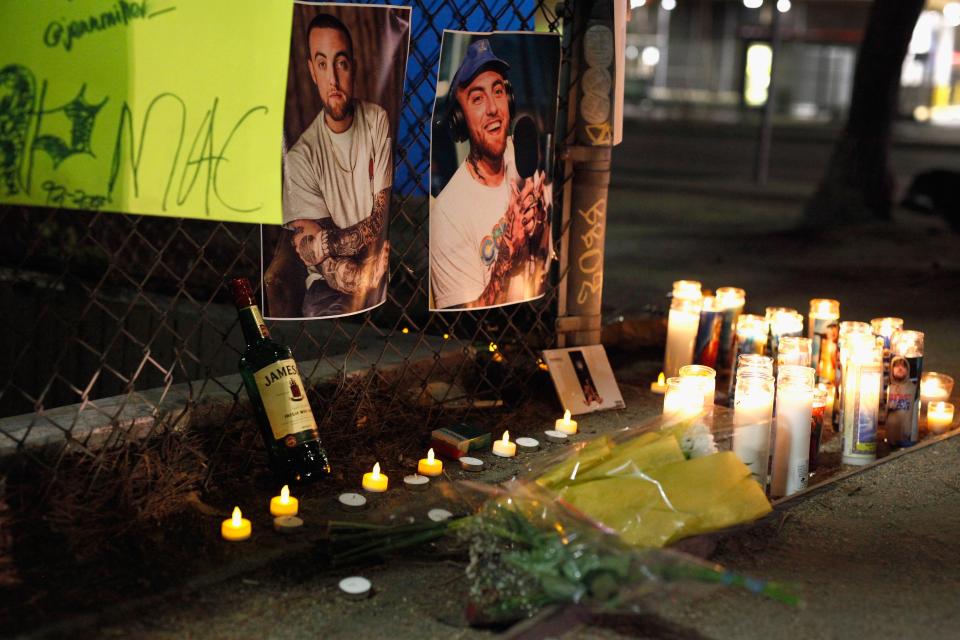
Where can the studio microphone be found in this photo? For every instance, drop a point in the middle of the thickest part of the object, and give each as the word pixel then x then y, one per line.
pixel 526 146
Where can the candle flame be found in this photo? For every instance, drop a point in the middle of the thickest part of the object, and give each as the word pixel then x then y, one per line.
pixel 235 521
pixel 376 471
pixel 506 436
pixel 661 379
pixel 430 456
pixel 566 416
pixel 285 494
pixel 492 347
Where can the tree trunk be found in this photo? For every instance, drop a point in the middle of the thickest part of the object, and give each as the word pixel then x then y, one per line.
pixel 858 184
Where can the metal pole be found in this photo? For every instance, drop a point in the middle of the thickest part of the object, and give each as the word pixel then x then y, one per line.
pixel 588 162
pixel 761 169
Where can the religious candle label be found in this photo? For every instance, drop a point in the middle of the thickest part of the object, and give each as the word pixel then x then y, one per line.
pixel 285 402
pixel 903 400
pixel 861 406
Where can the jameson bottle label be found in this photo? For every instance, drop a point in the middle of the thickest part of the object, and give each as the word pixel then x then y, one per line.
pixel 285 402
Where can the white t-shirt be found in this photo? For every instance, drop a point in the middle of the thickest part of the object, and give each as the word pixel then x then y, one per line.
pixel 465 222
pixel 336 176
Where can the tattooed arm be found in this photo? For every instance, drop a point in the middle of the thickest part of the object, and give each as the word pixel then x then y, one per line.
pixel 353 275
pixel 315 240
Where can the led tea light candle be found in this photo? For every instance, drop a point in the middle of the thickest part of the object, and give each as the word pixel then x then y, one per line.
pixel 730 302
pixel 565 424
pixel 939 417
pixel 792 441
pixel 374 481
pixel 236 528
pixel 528 445
pixel 469 463
pixel 660 386
pixel 429 466
pixel 862 376
pixel 283 504
pixel 556 437
pixel 708 381
pixel 503 447
pixel 355 587
pixel 706 346
pixel 287 524
pixel 684 398
pixel 750 338
pixel 794 350
pixel 903 390
pixel 352 501
pixel 752 418
pixel 682 324
pixel 823 326
pixel 416 482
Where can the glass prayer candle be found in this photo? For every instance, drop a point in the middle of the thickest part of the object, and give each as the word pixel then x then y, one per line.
pixel 903 390
pixel 755 361
pixel 823 325
pixel 817 420
pixel 750 339
pixel 794 350
pixel 934 387
pixel 883 329
pixel 862 375
pixel 782 321
pixel 939 417
pixel 709 382
pixel 791 454
pixel 730 302
pixel 682 324
pixel 847 327
pixel 684 397
pixel 752 418
pixel 706 347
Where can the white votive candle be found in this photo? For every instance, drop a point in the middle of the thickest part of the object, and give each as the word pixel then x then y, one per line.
pixel 684 398
pixel 939 416
pixel 791 456
pixel 682 324
pixel 752 417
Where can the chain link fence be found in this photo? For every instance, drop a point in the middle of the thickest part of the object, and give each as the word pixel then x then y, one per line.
pixel 117 328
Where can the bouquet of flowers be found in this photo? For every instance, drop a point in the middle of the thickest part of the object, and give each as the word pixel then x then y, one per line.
pixel 589 527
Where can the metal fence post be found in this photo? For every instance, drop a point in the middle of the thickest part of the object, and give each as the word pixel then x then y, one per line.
pixel 590 113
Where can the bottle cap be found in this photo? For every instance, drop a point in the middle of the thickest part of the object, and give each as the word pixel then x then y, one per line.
pixel 242 292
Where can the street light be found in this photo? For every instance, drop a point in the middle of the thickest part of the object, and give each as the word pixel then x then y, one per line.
pixel 753 4
pixel 636 4
pixel 668 5
pixel 650 56
pixel 783 6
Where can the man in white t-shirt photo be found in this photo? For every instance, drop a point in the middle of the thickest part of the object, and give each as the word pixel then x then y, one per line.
pixel 487 226
pixel 337 181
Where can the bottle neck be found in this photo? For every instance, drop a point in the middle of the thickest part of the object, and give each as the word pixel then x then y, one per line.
pixel 251 322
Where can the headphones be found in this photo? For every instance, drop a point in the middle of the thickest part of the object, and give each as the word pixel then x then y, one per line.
pixel 457 122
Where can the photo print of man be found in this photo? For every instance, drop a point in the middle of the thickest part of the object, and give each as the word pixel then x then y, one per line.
pixel 345 84
pixel 491 169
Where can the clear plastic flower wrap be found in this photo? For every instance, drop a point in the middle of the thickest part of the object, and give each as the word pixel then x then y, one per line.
pixel 661 481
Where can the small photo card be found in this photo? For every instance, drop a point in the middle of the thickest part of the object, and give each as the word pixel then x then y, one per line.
pixel 583 379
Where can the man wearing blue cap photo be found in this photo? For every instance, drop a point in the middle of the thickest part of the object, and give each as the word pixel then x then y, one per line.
pixel 482 221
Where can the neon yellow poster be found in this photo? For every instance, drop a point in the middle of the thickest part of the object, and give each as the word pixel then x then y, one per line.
pixel 159 107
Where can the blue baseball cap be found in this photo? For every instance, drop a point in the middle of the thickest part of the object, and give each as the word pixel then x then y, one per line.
pixel 479 55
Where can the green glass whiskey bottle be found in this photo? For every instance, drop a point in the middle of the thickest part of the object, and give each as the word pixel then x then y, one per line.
pixel 278 397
